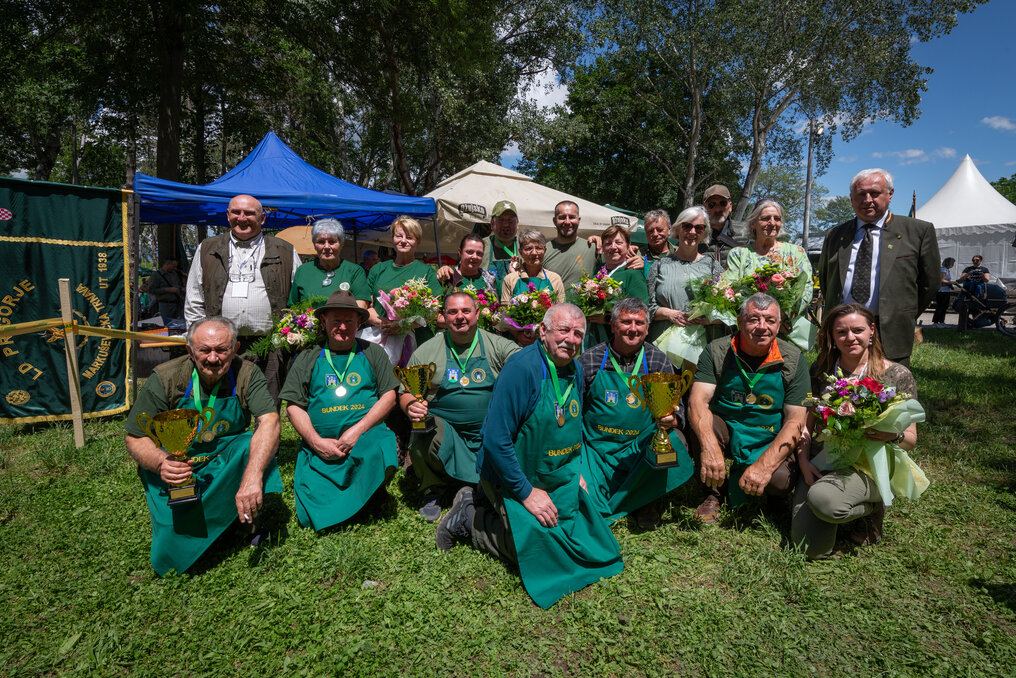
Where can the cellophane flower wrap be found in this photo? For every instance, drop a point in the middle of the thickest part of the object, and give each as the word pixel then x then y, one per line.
pixel 523 311
pixel 596 294
pixel 849 405
pixel 410 306
pixel 295 329
pixel 781 280
pixel 714 298
pixel 487 305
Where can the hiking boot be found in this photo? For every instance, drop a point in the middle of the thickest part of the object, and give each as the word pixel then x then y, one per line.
pixel 708 511
pixel 457 523
pixel 868 529
pixel 431 509
pixel 647 517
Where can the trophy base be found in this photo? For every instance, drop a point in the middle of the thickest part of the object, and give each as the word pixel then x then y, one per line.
pixel 181 496
pixel 424 427
pixel 665 460
pixel 662 454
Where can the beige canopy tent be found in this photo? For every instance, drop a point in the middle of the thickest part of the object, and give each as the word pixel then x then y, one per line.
pixel 970 218
pixel 466 199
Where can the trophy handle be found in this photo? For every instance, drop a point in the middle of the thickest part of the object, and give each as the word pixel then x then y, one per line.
pixel 400 374
pixel 146 424
pixel 686 380
pixel 431 371
pixel 206 417
pixel 634 384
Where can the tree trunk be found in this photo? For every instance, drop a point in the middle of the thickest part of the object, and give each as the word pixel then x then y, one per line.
pixel 200 113
pixel 46 152
pixel 75 157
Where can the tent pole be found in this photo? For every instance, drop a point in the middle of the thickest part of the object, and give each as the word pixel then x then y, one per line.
pixel 437 243
pixel 71 352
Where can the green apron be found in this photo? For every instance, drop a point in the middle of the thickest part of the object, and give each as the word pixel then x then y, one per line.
pixel 580 549
pixel 752 426
pixel 181 535
pixel 522 284
pixel 463 408
pixel 617 434
pixel 331 491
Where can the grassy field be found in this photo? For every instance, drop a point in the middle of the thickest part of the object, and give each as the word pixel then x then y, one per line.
pixel 937 597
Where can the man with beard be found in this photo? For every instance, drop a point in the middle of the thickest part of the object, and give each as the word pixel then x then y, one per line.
pixel 535 510
pixel 722 237
pixel 232 469
pixel 568 255
pixel 747 402
pixel 467 361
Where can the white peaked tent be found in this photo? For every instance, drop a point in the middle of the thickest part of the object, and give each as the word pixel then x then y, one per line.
pixel 467 198
pixel 970 218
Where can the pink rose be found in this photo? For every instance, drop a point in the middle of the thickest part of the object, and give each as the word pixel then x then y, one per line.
pixel 284 331
pixel 846 409
pixel 292 338
pixel 729 294
pixel 778 279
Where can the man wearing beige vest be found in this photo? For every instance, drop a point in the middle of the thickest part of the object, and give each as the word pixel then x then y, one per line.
pixel 244 276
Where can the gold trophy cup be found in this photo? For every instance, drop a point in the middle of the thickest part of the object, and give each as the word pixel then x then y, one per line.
pixel 173 431
pixel 659 393
pixel 416 379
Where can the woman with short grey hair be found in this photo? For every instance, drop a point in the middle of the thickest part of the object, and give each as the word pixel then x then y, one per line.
pixel 328 272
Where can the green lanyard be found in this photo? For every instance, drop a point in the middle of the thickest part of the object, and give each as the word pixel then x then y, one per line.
pixel 506 250
pixel 340 389
pixel 638 363
pixel 462 363
pixel 750 398
pixel 196 392
pixel 561 399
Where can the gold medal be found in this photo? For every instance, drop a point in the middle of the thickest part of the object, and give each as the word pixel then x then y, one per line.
pixel 341 391
pixel 208 436
pixel 560 420
pixel 464 381
pixel 559 411
pixel 750 398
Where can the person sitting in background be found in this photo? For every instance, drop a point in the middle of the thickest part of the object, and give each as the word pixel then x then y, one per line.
pixel 328 272
pixel 848 341
pixel 975 277
pixel 338 399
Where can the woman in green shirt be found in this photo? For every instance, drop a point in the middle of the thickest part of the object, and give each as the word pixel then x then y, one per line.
pixel 328 272
pixel 616 242
pixel 670 278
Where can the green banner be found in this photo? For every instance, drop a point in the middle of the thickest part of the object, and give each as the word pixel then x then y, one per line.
pixel 50 231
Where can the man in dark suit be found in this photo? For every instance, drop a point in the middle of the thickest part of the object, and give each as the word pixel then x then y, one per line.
pixel 884 262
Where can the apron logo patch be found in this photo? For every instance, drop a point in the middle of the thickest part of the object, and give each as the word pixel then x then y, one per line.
pixel 353 379
pixel 331 381
pixel 737 397
pixel 478 375
pixel 453 375
pixel 573 408
pixel 631 400
pixel 612 398
pixel 764 401
pixel 105 389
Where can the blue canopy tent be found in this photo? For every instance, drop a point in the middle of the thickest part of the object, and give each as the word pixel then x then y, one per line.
pixel 292 191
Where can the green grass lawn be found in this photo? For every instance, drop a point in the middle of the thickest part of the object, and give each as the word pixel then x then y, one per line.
pixel 937 597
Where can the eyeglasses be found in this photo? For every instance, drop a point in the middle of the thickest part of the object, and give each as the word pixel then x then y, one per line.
pixel 716 203
pixel 693 227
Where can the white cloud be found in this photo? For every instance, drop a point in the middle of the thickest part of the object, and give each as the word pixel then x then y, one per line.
pixel 912 156
pixel 546 89
pixel 1000 123
pixel 847 158
pixel 1010 163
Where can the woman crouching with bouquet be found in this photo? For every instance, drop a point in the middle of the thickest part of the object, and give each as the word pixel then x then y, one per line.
pixel 862 418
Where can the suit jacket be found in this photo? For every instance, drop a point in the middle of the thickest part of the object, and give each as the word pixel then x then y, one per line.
pixel 908 276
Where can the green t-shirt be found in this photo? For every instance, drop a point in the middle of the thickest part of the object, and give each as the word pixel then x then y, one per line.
pixel 296 391
pixel 387 276
pixel 633 283
pixel 153 398
pixel 308 278
pixel 433 351
pixel 570 261
pixel 795 392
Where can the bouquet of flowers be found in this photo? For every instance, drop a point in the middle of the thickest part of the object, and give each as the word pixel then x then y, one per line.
pixel 410 306
pixel 294 330
pixel 523 311
pixel 783 283
pixel 848 406
pixel 714 298
pixel 488 305
pixel 597 294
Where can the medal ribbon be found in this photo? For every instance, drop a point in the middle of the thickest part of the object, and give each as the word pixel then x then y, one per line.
pixel 507 251
pixel 196 391
pixel 553 380
pixel 472 347
pixel 349 361
pixel 751 381
pixel 638 363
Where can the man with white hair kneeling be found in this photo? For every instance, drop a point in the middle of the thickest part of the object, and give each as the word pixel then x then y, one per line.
pixel 535 511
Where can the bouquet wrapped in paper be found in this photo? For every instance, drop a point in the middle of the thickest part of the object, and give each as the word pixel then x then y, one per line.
pixel 487 305
pixel 713 299
pixel 523 311
pixel 294 330
pixel 595 295
pixel 411 306
pixel 848 406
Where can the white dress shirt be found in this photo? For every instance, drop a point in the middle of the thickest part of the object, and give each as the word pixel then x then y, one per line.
pixel 876 239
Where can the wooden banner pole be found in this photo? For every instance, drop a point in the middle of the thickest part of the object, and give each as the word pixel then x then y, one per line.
pixel 71 352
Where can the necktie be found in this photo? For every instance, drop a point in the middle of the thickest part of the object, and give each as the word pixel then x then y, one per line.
pixel 860 287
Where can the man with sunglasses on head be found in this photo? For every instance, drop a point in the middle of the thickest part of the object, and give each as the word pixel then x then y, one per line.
pixel 721 233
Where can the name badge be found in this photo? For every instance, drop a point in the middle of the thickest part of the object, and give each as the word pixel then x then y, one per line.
pixel 238 290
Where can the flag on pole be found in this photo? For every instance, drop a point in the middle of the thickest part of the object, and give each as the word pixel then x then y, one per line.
pixel 913 206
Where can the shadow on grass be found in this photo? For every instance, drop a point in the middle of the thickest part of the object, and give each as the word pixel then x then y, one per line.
pixel 275 516
pixel 1004 594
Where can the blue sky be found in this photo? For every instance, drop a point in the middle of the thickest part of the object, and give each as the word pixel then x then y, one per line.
pixel 968 108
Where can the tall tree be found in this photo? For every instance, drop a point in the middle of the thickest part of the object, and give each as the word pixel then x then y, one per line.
pixel 1007 187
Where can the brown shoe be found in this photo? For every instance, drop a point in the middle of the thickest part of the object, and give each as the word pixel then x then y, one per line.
pixel 709 510
pixel 647 517
pixel 868 530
